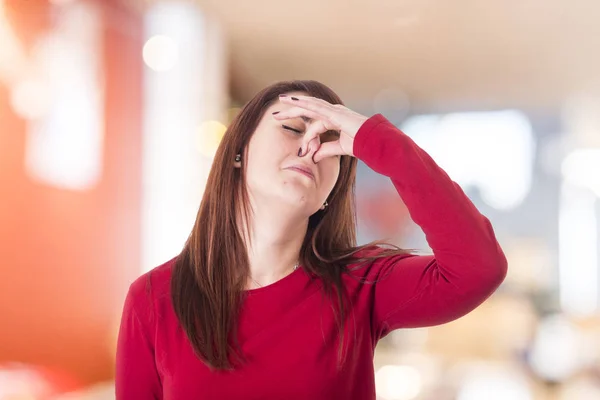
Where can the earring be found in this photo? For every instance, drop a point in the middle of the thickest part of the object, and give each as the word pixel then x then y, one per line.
pixel 238 158
pixel 324 205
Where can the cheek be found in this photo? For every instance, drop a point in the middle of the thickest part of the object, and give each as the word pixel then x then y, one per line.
pixel 264 159
pixel 330 172
pixel 267 143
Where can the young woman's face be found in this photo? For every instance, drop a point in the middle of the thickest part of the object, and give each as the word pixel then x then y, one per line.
pixel 274 167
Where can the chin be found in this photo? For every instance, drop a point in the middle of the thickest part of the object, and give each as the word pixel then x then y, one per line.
pixel 297 197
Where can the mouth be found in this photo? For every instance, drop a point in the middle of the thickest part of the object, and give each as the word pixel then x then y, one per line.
pixel 302 170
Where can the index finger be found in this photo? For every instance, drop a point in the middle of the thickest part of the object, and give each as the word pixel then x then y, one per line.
pixel 300 112
pixel 316 105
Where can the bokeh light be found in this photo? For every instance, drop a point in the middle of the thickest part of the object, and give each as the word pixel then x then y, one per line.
pixel 398 382
pixel 30 99
pixel 209 136
pixel 61 2
pixel 161 53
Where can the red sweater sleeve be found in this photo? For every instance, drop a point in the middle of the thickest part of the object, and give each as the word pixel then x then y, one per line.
pixel 468 264
pixel 136 374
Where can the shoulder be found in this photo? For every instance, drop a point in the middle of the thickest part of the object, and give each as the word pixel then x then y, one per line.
pixel 374 258
pixel 151 287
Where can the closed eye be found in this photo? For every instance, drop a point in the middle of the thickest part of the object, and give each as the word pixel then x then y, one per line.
pixel 289 128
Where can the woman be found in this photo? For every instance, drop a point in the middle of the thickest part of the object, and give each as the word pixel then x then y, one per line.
pixel 270 297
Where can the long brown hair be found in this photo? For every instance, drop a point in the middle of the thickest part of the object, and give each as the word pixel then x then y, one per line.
pixel 211 272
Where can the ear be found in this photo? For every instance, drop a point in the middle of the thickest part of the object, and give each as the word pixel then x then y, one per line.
pixel 237 162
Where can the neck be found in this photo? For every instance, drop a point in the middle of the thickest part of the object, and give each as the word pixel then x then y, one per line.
pixel 276 236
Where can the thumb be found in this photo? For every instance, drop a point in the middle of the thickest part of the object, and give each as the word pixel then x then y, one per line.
pixel 328 149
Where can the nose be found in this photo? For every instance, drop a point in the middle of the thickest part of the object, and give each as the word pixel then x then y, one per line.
pixel 312 146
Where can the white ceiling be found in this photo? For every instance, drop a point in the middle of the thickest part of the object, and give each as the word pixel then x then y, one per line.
pixel 440 53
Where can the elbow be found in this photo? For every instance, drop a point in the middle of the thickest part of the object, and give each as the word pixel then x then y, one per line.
pixel 502 268
pixel 490 271
pixel 497 269
pixel 498 264
pixel 492 274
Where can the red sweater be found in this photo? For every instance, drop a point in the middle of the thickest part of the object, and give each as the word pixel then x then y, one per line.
pixel 288 332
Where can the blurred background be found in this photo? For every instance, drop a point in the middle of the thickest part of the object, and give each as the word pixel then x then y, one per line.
pixel 111 112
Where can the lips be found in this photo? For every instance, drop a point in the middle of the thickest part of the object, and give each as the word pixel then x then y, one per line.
pixel 303 170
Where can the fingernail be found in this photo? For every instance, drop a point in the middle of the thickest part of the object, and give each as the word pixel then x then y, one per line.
pixel 293 98
pixel 276 112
